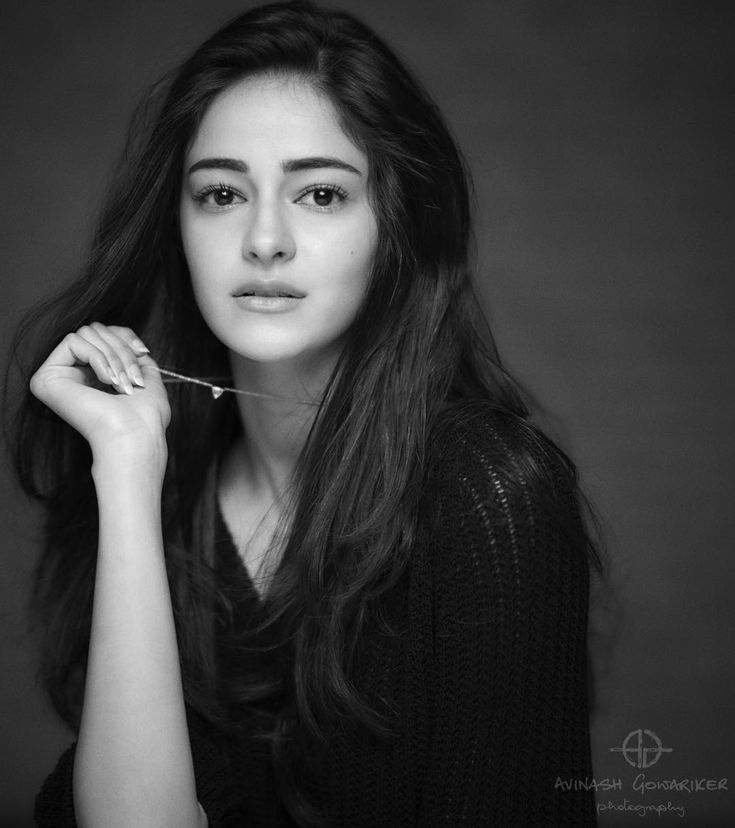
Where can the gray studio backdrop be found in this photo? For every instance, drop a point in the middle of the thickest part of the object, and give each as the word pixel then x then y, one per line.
pixel 597 136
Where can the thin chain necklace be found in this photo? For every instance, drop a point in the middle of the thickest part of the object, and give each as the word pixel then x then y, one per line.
pixel 218 390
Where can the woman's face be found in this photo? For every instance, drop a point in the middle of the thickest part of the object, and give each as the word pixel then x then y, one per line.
pixel 278 231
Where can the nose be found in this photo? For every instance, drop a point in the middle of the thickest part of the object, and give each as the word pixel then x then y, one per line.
pixel 268 238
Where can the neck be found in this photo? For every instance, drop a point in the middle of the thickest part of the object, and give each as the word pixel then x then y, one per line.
pixel 275 430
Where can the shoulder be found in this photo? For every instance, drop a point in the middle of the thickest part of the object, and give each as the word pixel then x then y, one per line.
pixel 500 497
pixel 474 445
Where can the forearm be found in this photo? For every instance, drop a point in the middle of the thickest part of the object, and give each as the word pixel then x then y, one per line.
pixel 133 763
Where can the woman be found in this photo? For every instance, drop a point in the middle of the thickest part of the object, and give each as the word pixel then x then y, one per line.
pixel 306 560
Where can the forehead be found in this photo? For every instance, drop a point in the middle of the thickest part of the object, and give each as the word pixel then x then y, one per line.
pixel 281 116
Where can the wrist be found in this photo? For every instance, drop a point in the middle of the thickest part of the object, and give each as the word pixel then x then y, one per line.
pixel 139 459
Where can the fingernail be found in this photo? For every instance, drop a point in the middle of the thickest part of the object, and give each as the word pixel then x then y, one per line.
pixel 136 375
pixel 125 382
pixel 140 347
pixel 113 376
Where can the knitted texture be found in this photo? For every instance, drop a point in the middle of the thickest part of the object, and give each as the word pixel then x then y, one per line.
pixel 485 674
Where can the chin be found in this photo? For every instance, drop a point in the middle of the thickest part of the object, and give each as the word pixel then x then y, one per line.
pixel 265 352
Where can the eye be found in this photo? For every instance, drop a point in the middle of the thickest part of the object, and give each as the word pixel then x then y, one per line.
pixel 326 197
pixel 218 195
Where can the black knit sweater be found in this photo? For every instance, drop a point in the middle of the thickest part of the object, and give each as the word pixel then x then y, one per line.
pixel 487 675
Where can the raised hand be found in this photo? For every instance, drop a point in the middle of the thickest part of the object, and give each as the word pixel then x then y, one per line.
pixel 102 380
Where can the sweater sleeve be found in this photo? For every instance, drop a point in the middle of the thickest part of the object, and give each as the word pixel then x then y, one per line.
pixel 509 571
pixel 215 788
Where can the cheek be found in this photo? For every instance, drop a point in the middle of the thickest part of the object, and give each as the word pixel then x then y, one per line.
pixel 197 247
pixel 201 262
pixel 356 267
pixel 361 251
pixel 205 261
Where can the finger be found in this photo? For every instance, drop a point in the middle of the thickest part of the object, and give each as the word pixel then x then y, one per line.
pixel 75 350
pixel 122 351
pixel 147 363
pixel 150 369
pixel 137 345
pixel 120 379
pixel 117 368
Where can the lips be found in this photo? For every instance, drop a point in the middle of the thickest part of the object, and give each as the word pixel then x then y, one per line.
pixel 269 287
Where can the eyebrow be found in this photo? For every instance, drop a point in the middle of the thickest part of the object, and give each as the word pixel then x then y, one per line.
pixel 315 162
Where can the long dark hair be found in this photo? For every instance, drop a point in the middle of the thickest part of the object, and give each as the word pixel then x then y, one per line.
pixel 418 348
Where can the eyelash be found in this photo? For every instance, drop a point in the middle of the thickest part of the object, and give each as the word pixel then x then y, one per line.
pixel 329 188
pixel 202 195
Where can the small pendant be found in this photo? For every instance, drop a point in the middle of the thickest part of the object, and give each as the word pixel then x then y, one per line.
pixel 217 392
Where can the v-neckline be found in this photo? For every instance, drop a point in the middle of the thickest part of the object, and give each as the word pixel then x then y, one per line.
pixel 229 563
